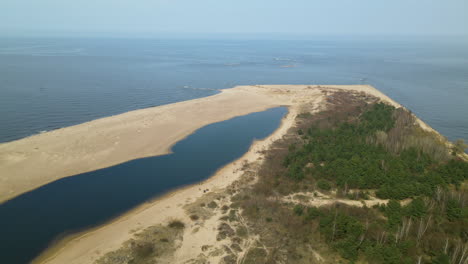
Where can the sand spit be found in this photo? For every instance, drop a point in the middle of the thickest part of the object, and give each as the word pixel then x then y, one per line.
pixel 31 162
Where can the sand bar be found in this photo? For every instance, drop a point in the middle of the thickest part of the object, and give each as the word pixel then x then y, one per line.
pixel 31 162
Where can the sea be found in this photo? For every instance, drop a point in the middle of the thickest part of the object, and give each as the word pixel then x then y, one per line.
pixel 48 83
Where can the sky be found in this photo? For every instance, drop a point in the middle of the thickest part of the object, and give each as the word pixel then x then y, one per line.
pixel 153 17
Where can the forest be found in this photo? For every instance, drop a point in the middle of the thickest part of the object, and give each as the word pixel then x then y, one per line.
pixel 346 157
pixel 359 152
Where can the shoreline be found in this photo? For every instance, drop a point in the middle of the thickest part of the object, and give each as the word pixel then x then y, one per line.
pixel 88 245
pixel 70 249
pixel 29 163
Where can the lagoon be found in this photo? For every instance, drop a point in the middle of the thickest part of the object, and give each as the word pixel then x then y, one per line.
pixel 30 222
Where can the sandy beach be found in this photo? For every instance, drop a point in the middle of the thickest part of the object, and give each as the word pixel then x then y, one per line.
pixel 37 160
pixel 31 162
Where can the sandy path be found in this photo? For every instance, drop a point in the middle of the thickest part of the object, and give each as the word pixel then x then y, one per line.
pixel 31 162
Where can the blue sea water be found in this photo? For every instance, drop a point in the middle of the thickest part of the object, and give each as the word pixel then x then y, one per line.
pixel 30 222
pixel 50 83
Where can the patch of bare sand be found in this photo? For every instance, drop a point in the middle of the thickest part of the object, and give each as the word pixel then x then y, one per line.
pixel 318 199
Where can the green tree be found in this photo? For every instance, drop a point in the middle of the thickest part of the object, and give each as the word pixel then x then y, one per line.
pixel 323 185
pixel 453 210
pixel 441 259
pixel 416 208
pixel 393 212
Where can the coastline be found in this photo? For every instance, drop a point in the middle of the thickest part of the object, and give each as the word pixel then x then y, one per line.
pixel 87 246
pixel 90 245
pixel 29 163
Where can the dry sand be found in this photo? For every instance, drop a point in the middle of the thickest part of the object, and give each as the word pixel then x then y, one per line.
pixel 31 162
pixel 28 163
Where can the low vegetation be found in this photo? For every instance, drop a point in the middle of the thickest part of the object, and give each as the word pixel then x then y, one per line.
pixel 155 244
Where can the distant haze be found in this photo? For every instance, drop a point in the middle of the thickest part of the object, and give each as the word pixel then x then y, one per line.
pixel 156 17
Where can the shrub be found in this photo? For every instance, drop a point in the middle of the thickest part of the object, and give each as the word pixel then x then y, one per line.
pixel 194 217
pixel 176 224
pixel 298 209
pixel 323 185
pixel 312 213
pixel 144 250
pixel 212 205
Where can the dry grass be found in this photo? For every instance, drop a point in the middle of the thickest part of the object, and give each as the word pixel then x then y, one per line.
pixel 152 245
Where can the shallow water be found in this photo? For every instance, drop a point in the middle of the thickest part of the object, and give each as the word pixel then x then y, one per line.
pixel 31 221
pixel 51 83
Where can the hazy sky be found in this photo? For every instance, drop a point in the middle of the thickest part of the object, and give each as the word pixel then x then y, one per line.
pixel 139 17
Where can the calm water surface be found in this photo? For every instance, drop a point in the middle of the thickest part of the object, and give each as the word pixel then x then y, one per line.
pixel 31 221
pixel 51 83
